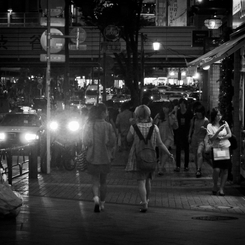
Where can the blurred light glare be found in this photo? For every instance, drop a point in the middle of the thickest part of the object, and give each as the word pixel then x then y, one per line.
pixel 53 126
pixel 73 126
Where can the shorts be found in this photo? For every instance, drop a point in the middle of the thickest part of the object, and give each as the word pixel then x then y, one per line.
pixel 140 175
pixel 94 169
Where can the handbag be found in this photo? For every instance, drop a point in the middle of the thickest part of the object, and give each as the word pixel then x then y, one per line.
pixel 221 154
pixel 81 161
pixel 207 144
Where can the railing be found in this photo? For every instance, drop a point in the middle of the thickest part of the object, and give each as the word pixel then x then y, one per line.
pixel 27 19
pixel 21 153
pixel 20 19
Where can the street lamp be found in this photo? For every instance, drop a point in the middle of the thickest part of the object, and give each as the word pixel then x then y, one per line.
pixel 9 16
pixel 156 46
pixel 142 52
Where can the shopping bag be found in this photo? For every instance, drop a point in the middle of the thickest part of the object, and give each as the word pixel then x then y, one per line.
pixel 221 154
pixel 10 201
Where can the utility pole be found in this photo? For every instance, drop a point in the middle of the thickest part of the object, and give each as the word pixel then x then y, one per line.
pixel 67 63
pixel 142 52
pixel 48 89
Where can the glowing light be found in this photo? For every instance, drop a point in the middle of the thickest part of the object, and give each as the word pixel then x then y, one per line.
pixel 206 68
pixel 73 126
pixel 156 46
pixel 214 23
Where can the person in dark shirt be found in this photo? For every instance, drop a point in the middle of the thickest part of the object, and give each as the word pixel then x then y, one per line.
pixel 184 117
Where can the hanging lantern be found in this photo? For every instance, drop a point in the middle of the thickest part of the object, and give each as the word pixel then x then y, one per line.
pixel 214 23
pixel 156 46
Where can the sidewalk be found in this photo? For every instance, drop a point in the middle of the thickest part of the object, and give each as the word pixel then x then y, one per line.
pixel 58 209
pixel 172 190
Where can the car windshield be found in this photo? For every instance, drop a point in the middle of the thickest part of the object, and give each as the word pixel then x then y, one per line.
pixel 27 120
pixel 40 103
pixel 91 92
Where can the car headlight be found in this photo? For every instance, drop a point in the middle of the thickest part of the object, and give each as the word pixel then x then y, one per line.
pixel 2 136
pixel 30 137
pixel 53 126
pixel 73 126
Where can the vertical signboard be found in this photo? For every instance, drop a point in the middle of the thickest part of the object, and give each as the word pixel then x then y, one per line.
pixel 161 13
pixel 177 13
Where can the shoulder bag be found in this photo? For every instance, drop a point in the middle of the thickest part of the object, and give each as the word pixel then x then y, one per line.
pixel 221 154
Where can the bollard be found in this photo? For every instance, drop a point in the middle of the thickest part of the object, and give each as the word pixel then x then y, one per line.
pixel 33 161
pixel 9 165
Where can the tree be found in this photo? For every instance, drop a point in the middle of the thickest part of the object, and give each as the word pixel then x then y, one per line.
pixel 226 87
pixel 126 15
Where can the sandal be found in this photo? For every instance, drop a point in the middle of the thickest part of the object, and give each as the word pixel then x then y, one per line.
pixel 144 207
pixel 198 173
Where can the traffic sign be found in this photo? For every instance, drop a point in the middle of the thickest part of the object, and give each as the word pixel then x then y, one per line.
pixel 56 44
pixel 79 47
pixel 59 22
pixel 53 57
pixel 79 35
pixel 112 33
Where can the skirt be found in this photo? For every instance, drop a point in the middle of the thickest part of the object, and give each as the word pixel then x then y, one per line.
pixel 222 164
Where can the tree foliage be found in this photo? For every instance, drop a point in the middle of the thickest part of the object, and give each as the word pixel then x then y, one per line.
pixel 126 15
pixel 226 87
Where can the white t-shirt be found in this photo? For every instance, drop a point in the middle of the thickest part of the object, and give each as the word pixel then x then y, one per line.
pixel 223 143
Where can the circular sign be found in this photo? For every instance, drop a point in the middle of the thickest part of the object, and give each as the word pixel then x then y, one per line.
pixel 112 33
pixel 82 34
pixel 56 44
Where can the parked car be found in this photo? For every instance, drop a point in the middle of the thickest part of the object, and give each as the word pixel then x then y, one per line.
pixel 120 98
pixel 174 95
pixel 196 95
pixel 92 94
pixel 152 93
pixel 76 104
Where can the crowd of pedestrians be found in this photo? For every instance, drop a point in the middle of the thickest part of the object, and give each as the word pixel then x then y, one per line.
pixel 176 127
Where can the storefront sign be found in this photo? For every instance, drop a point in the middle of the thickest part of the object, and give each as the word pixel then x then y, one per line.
pixel 199 37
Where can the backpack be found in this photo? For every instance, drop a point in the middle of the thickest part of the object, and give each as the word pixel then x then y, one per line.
pixel 146 159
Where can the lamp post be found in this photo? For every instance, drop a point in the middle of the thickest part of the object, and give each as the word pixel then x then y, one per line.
pixel 9 16
pixel 142 52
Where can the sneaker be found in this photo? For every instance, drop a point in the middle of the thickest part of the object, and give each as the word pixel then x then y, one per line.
pixel 198 173
pixel 177 169
pixel 186 169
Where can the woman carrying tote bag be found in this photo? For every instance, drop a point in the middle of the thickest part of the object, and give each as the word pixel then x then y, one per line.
pixel 219 134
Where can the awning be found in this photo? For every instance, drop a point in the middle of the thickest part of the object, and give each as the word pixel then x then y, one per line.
pixel 224 50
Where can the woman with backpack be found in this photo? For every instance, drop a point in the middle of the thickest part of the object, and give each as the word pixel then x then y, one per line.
pixel 144 177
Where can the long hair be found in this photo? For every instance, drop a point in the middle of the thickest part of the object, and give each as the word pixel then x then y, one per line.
pixel 213 114
pixel 167 104
pixel 201 109
pixel 96 111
